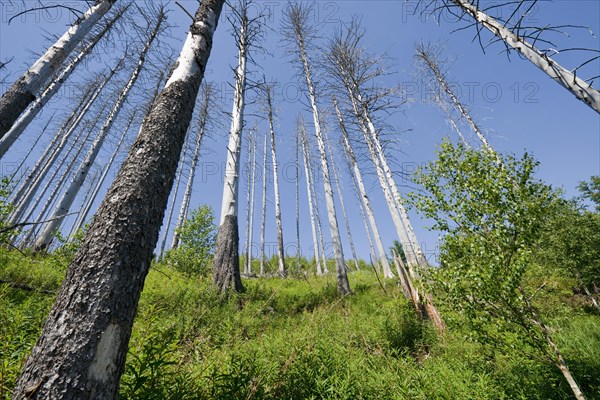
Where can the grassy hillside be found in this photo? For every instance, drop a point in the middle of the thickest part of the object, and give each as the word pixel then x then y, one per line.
pixel 296 339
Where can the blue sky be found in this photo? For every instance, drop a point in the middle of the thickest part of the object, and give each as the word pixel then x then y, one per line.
pixel 516 104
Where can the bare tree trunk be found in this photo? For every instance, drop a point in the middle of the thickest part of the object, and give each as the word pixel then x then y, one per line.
pixel 297 17
pixel 577 86
pixel 23 92
pixel 264 210
pixel 309 189
pixel 363 194
pixel 174 195
pixel 280 249
pixel 298 252
pixel 25 193
pixel 82 348
pixel 430 62
pixel 77 223
pixel 226 264
pixel 249 203
pixel 341 198
pixel 19 126
pixel 187 196
pixel 70 194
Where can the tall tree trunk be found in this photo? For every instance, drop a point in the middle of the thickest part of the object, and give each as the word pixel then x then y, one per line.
pixel 82 348
pixel 250 201
pixel 363 193
pixel 207 93
pixel 88 206
pixel 298 252
pixel 70 194
pixel 309 189
pixel 226 261
pixel 23 92
pixel 174 195
pixel 19 126
pixel 264 210
pixel 280 249
pixel 341 198
pixel 77 223
pixel 577 86
pixel 299 27
pixel 26 192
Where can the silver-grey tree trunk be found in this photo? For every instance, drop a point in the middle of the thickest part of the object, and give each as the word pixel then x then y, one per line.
pixel 264 210
pixel 81 351
pixel 23 91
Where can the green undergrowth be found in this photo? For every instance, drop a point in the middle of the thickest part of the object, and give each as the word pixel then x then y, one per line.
pixel 297 339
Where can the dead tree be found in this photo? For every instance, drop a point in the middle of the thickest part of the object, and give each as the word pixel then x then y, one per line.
pixel 518 36
pixel 226 264
pixel 250 200
pixel 72 190
pixel 299 35
pixel 268 91
pixel 297 155
pixel 81 351
pixel 264 210
pixel 23 91
pixel 23 121
pixel 203 120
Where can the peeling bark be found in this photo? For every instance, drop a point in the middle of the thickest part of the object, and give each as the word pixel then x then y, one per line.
pixel 225 276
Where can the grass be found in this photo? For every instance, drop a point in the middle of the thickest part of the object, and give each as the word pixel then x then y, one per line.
pixel 296 339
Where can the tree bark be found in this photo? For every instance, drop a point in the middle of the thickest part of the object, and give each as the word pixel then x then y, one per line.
pixel 82 348
pixel 264 210
pixel 23 91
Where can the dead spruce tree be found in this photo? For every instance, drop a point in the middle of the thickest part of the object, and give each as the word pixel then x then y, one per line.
pixel 76 183
pixel 264 210
pixel 226 265
pixel 268 93
pixel 207 96
pixel 81 351
pixel 23 121
pixel 351 68
pixel 299 34
pixel 252 138
pixel 23 91
pixel 428 58
pixel 301 132
pixel 518 35
pixel 357 176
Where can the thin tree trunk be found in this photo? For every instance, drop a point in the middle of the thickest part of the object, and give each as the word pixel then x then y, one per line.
pixel 558 359
pixel 264 210
pixel 187 196
pixel 70 194
pixel 251 150
pixel 298 252
pixel 107 168
pixel 577 86
pixel 23 92
pixel 251 223
pixel 19 126
pixel 363 194
pixel 309 189
pixel 24 195
pixel 77 223
pixel 280 249
pixel 174 195
pixel 82 348
pixel 341 198
pixel 226 264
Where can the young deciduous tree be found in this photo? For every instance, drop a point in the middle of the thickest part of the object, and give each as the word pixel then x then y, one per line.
pixel 492 214
pixel 82 347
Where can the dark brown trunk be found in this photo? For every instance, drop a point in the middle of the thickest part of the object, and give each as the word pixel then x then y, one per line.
pixel 12 104
pixel 82 348
pixel 226 263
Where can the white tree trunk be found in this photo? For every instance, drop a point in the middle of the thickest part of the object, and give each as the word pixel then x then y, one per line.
pixel 68 198
pixel 23 92
pixel 342 279
pixel 298 252
pixel 363 194
pixel 264 210
pixel 251 219
pixel 187 196
pixel 251 149
pixel 309 189
pixel 577 86
pixel 26 192
pixel 341 198
pixel 19 126
pixel 280 249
